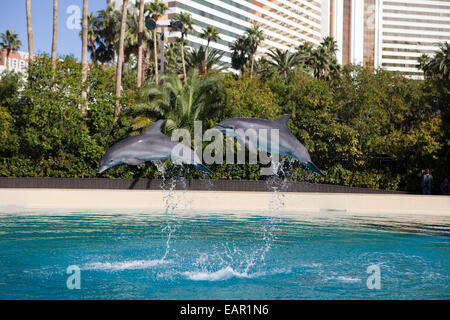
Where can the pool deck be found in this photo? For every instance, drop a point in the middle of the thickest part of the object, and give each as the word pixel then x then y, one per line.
pixel 221 201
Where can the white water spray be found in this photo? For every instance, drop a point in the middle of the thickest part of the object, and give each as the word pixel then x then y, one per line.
pixel 277 183
pixel 171 199
pixel 230 261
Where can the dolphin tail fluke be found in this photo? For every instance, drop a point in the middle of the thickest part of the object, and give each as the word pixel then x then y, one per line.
pixel 311 166
pixel 204 169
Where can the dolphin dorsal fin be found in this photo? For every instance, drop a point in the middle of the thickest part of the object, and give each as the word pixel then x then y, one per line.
pixel 154 128
pixel 283 120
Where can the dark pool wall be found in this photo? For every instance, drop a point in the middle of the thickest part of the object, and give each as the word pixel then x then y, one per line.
pixel 155 184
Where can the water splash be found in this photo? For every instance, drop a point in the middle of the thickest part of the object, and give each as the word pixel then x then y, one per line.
pixel 277 183
pixel 220 275
pixel 228 260
pixel 228 273
pixel 125 265
pixel 171 199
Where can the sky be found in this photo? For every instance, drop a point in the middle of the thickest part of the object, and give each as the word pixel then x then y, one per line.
pixel 13 16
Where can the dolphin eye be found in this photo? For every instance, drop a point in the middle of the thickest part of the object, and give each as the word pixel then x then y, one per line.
pixel 110 161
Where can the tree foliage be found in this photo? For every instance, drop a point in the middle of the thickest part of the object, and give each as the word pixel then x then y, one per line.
pixel 362 127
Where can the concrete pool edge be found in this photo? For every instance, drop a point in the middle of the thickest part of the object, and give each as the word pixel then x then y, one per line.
pixel 351 203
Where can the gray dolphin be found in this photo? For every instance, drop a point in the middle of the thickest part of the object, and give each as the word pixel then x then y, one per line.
pixel 288 144
pixel 149 146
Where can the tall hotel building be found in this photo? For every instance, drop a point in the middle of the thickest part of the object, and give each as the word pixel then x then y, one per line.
pixel 390 34
pixel 285 23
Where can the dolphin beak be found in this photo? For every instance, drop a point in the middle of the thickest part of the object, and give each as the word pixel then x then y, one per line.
pixel 102 169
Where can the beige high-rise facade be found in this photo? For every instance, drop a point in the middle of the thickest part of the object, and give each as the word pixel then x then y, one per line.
pixel 391 34
pixel 285 23
pixel 407 30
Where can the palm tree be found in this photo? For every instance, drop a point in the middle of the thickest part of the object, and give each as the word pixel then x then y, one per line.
pixel 320 60
pixel 55 32
pixel 10 42
pixel 157 9
pixel 240 55
pixel 305 48
pixel 109 28
pixel 256 36
pixel 330 44
pixel 195 59
pixel 131 40
pixel 54 40
pixel 94 39
pixel 335 70
pixel 180 104
pixel 93 34
pixel 30 31
pixel 423 63
pixel 84 63
pixel 119 65
pixel 332 48
pixel 210 34
pixel 173 56
pixel 304 53
pixel 264 68
pixel 187 26
pixel 283 61
pixel 141 49
pixel 440 63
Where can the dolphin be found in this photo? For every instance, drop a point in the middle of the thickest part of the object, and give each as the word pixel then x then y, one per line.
pixel 149 146
pixel 288 144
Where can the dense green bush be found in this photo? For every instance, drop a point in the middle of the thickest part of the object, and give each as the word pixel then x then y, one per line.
pixel 47 135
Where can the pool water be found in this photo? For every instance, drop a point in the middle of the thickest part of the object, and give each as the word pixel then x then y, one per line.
pixel 144 255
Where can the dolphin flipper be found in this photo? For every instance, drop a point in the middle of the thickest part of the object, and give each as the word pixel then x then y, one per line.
pixel 204 169
pixel 311 166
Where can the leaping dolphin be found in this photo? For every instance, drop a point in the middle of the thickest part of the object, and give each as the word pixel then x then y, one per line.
pixel 287 144
pixel 149 146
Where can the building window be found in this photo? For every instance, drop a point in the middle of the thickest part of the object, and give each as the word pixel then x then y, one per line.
pixel 14 64
pixel 22 64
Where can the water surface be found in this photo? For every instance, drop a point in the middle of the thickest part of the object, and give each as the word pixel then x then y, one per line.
pixel 222 256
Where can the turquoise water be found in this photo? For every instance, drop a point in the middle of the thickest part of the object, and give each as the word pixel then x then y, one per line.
pixel 221 256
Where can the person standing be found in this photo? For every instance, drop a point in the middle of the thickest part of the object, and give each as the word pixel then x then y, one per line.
pixel 445 189
pixel 427 181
